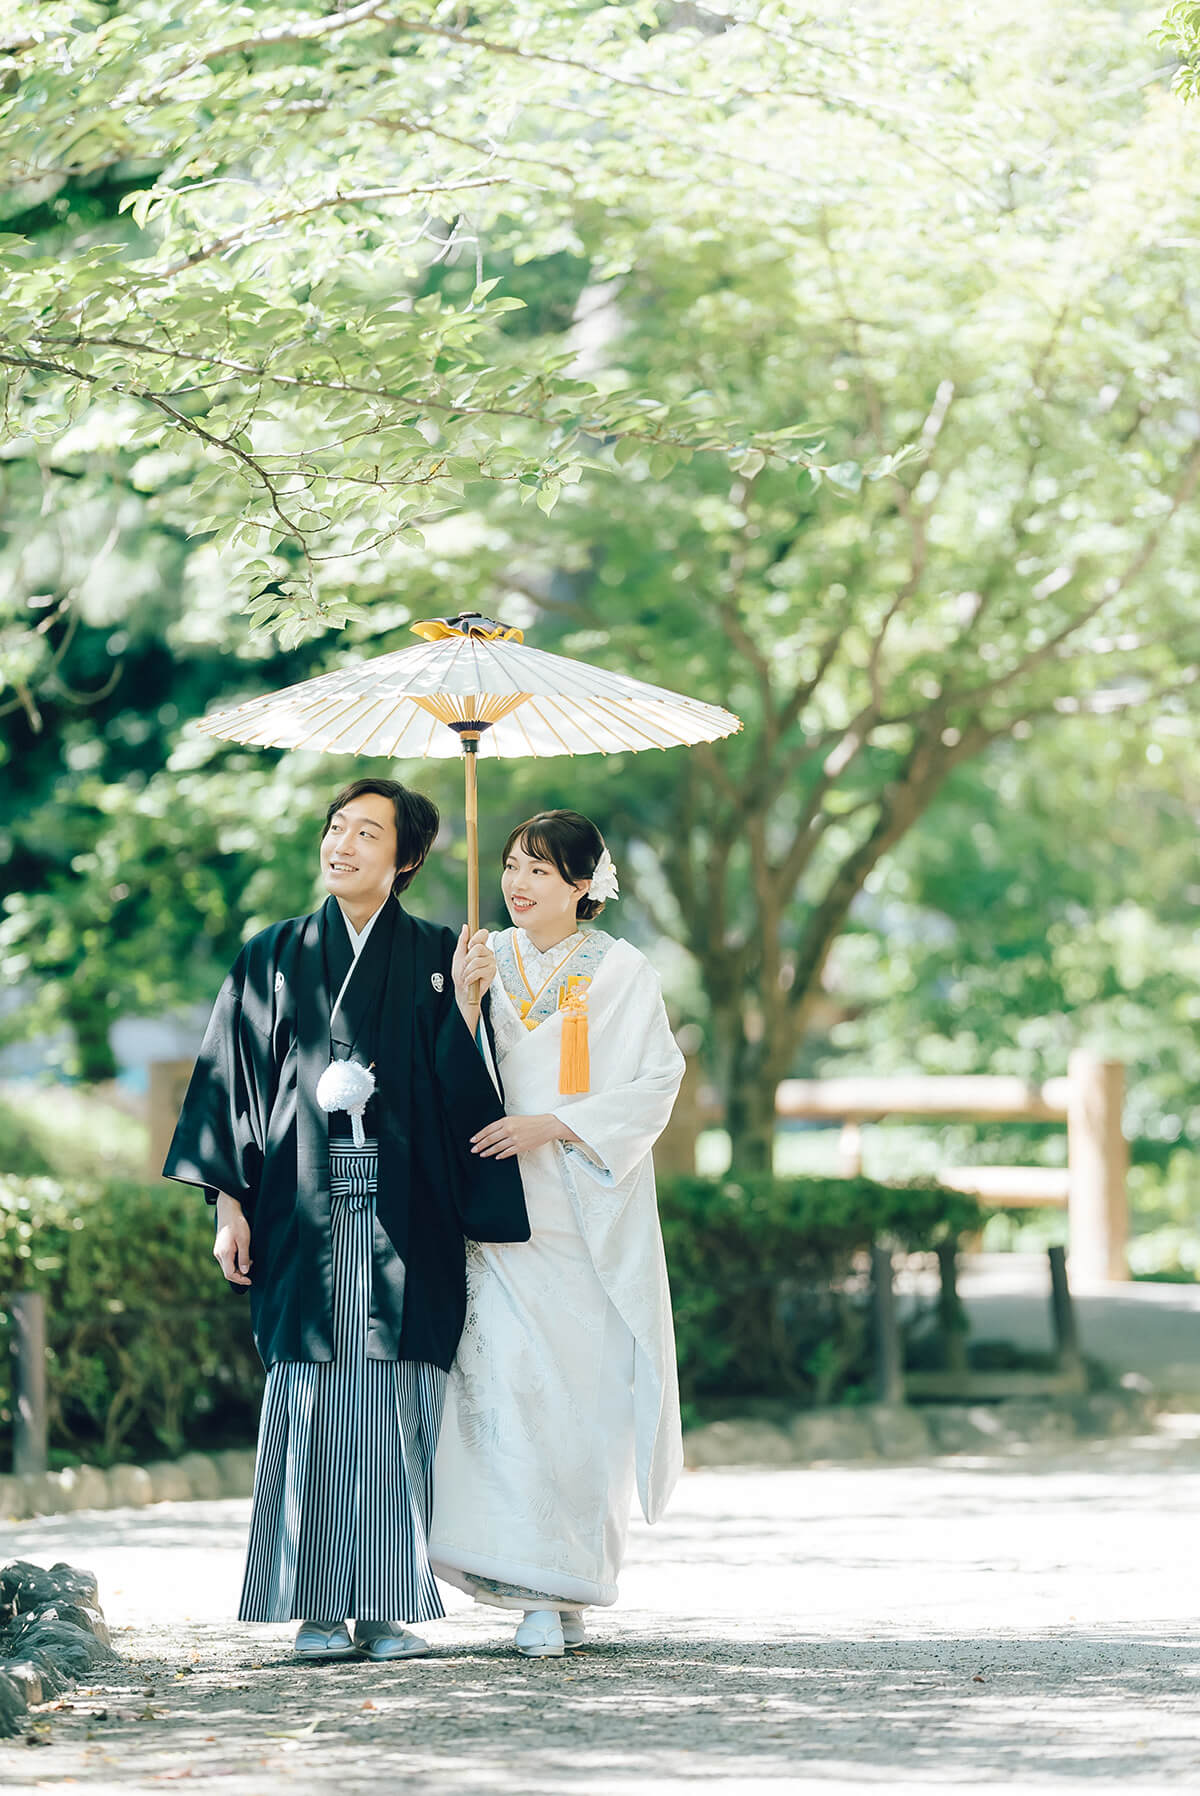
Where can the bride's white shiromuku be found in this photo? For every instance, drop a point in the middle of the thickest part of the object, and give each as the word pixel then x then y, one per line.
pixel 564 1395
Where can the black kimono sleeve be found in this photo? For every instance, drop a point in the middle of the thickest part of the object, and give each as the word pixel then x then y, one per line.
pixel 219 1139
pixel 489 1197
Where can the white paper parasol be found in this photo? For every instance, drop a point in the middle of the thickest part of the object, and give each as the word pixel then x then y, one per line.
pixel 472 687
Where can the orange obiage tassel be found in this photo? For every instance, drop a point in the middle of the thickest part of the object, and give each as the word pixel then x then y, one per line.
pixel 574 1069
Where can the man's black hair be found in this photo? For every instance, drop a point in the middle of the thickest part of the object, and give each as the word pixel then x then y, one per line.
pixel 416 824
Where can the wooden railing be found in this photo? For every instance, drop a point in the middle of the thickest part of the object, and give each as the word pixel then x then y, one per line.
pixel 1092 1185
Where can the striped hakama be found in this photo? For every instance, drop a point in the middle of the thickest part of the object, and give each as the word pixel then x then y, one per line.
pixel 343 1484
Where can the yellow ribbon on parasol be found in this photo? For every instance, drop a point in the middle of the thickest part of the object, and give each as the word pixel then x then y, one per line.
pixel 467 623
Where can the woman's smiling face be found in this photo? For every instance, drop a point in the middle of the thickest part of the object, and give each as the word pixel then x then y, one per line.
pixel 540 901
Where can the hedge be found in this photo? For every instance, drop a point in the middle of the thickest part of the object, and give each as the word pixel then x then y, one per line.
pixel 770 1278
pixel 151 1354
pixel 148 1352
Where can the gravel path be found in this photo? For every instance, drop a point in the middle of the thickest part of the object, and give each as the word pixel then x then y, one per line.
pixel 964 1623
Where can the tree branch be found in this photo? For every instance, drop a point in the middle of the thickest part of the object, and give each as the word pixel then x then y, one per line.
pixel 1025 504
pixel 739 637
pixel 44 364
pixel 423 128
pixel 584 425
pixel 363 196
pixel 787 873
pixel 790 712
pixel 1112 589
pixel 295 32
pixel 900 804
pixel 705 755
pixel 423 28
pixel 255 468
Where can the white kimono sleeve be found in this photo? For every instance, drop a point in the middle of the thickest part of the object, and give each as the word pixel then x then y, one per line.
pixel 636 1073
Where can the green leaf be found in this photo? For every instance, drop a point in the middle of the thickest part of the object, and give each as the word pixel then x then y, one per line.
pixel 748 462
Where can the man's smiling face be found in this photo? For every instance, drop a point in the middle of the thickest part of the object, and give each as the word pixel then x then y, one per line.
pixel 358 852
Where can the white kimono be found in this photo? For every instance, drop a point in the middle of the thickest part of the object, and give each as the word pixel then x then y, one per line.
pixel 564 1392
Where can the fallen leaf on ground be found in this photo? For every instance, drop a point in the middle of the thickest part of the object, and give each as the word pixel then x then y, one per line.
pixel 299 1733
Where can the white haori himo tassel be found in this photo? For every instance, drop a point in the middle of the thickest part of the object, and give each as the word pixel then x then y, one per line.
pixel 347 1085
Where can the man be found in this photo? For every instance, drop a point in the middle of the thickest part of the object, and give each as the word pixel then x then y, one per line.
pixel 329 1119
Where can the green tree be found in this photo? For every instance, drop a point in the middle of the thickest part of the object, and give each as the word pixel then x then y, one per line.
pixel 254 359
pixel 1020 314
pixel 1179 33
pixel 220 233
pixel 968 234
pixel 984 943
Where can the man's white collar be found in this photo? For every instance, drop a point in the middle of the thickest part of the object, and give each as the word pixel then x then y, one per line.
pixel 359 936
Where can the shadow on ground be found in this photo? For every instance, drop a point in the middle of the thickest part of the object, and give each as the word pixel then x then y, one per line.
pixel 638 1715
pixel 936 1626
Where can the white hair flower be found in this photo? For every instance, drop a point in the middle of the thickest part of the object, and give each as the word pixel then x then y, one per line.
pixel 604 880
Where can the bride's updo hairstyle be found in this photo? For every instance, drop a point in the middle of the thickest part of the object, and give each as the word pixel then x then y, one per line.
pixel 569 842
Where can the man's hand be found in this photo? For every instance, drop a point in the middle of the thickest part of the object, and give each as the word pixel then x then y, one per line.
pixel 474 965
pixel 231 1249
pixel 519 1135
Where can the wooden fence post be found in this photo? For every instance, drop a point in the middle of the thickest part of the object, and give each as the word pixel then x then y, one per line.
pixel 27 1310
pixel 1062 1315
pixel 675 1149
pixel 168 1083
pixel 849 1162
pixel 1097 1162
pixel 889 1357
pixel 952 1320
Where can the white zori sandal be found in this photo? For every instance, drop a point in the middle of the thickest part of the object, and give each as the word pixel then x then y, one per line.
pixel 571 1621
pixel 540 1635
pixel 388 1640
pixel 320 1640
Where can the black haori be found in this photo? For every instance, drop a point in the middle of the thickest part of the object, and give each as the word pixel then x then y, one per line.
pixel 251 1126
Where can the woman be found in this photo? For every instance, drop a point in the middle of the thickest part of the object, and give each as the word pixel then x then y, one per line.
pixel 564 1388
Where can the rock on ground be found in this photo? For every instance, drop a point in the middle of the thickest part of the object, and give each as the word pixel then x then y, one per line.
pixel 51 1632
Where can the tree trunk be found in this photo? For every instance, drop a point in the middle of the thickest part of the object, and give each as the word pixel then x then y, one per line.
pixel 748 1072
pixel 90 1017
pixel 758 1017
pixel 750 1120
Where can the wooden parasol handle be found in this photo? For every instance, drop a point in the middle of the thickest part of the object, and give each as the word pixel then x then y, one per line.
pixel 470 747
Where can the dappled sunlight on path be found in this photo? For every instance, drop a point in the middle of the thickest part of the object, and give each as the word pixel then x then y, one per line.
pixel 948 1624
